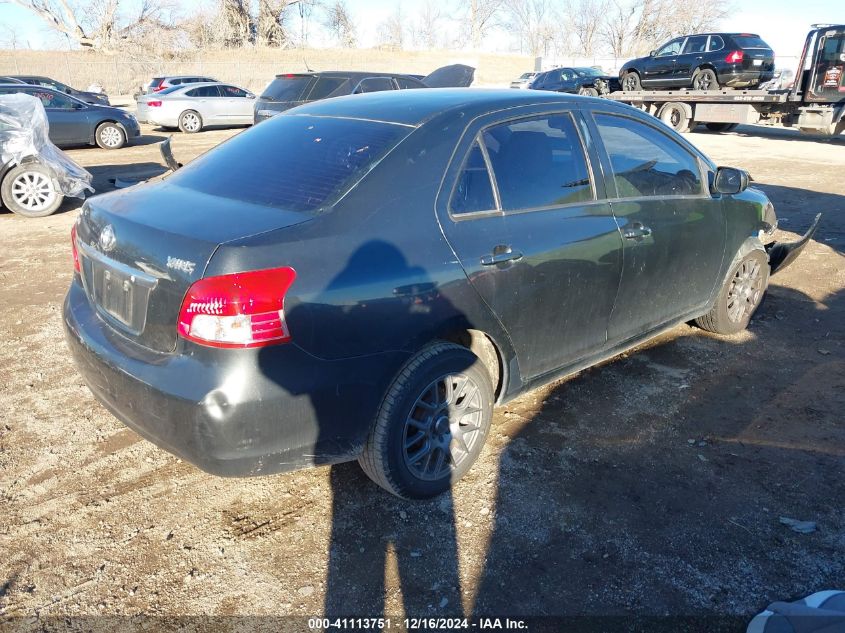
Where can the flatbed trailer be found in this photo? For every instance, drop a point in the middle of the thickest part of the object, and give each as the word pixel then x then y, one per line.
pixel 815 104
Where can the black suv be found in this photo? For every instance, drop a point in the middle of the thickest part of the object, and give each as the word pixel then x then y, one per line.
pixel 708 61
pixel 293 89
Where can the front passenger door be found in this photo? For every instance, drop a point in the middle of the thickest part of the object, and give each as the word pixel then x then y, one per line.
pixel 673 230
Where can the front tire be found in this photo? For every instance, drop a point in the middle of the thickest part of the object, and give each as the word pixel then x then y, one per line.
pixel 631 82
pixel 432 423
pixel 739 297
pixel 110 136
pixel 190 122
pixel 30 190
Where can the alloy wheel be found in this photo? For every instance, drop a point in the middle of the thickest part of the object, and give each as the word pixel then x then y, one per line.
pixel 745 291
pixel 33 191
pixel 442 427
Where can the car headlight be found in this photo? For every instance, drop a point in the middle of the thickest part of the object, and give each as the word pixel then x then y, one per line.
pixel 267 113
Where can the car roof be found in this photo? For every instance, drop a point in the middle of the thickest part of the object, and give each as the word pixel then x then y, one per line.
pixel 200 84
pixel 346 74
pixel 415 107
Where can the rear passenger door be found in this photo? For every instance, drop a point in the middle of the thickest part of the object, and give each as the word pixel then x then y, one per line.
pixel 690 59
pixel 207 101
pixel 673 230
pixel 526 218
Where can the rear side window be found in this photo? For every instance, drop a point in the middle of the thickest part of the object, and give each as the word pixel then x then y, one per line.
pixel 325 86
pixel 716 43
pixel 646 162
pixel 473 191
pixel 374 84
pixel 696 44
pixel 298 163
pixel 176 82
pixel 538 163
pixel 407 83
pixel 287 88
pixel 750 41
pixel 204 91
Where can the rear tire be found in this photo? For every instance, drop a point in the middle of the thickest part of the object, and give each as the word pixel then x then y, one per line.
pixel 705 79
pixel 721 127
pixel 432 423
pixel 631 82
pixel 739 297
pixel 29 190
pixel 675 116
pixel 190 122
pixel 110 136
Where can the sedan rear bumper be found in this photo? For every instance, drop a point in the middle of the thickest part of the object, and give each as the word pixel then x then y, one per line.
pixel 230 412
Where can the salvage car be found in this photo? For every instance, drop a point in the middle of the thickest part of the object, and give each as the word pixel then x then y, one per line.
pixel 96 98
pixel 583 81
pixel 524 80
pixel 196 106
pixel 707 61
pixel 366 277
pixel 74 122
pixel 293 89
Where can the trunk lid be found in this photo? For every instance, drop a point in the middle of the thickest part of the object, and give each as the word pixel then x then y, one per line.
pixel 141 249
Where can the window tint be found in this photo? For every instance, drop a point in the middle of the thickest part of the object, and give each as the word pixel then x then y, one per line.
pixel 716 43
pixel 408 83
pixel 52 100
pixel 287 88
pixel 176 82
pixel 232 91
pixel 298 163
pixel 204 91
pixel 325 86
pixel 374 84
pixel 538 163
pixel 473 191
pixel 750 41
pixel 646 162
pixel 672 48
pixel 696 44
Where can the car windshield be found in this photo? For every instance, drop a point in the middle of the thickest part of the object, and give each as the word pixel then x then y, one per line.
pixel 588 72
pixel 286 88
pixel 294 162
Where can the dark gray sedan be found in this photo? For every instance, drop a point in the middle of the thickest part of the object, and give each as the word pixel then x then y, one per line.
pixel 74 122
pixel 366 277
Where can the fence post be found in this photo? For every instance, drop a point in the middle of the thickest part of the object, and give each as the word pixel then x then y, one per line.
pixel 117 77
pixel 69 74
pixel 17 70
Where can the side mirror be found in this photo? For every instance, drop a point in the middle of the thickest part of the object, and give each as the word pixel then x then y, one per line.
pixel 652 53
pixel 249 95
pixel 730 181
pixel 78 106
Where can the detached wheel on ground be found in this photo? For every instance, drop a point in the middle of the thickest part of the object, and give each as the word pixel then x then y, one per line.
pixel 432 423
pixel 740 296
pixel 705 79
pixel 30 190
pixel 721 127
pixel 631 82
pixel 588 92
pixel 676 116
pixel 190 122
pixel 110 136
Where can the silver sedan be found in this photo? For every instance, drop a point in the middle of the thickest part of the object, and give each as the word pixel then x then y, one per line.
pixel 194 106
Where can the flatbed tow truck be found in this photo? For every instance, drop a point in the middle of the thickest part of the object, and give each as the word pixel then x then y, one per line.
pixel 815 104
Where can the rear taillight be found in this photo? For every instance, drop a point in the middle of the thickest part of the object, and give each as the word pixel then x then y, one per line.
pixel 74 250
pixel 735 57
pixel 154 104
pixel 237 310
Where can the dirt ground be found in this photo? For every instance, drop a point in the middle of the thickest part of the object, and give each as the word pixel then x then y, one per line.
pixel 650 485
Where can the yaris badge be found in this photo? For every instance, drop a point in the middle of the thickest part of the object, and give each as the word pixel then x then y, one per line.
pixel 108 240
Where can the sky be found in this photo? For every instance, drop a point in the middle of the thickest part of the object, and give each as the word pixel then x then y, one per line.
pixel 782 23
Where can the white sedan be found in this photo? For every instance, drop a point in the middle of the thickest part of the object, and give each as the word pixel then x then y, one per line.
pixel 194 106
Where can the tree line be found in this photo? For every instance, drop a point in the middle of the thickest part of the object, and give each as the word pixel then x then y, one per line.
pixel 585 28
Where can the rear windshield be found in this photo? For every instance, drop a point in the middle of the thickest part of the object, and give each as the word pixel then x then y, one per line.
pixel 298 163
pixel 288 88
pixel 170 89
pixel 750 41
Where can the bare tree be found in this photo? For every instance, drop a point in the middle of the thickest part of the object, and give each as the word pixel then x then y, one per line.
pixel 340 24
pixel 586 18
pixel 479 17
pixel 427 27
pixel 531 20
pixel 391 32
pixel 271 27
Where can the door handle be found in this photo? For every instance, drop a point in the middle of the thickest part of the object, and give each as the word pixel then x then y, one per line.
pixel 636 231
pixel 501 254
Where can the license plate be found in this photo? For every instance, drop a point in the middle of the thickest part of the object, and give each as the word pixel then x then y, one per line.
pixel 114 293
pixel 758 62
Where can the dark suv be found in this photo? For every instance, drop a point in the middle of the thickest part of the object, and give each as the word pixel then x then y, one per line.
pixel 293 89
pixel 708 61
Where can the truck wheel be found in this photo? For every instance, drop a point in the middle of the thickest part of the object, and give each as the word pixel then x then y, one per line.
pixel 30 190
pixel 721 127
pixel 705 79
pixel 432 423
pixel 190 122
pixel 676 117
pixel 110 136
pixel 739 297
pixel 631 82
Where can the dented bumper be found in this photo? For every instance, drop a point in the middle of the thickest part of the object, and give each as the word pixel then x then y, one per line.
pixel 782 254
